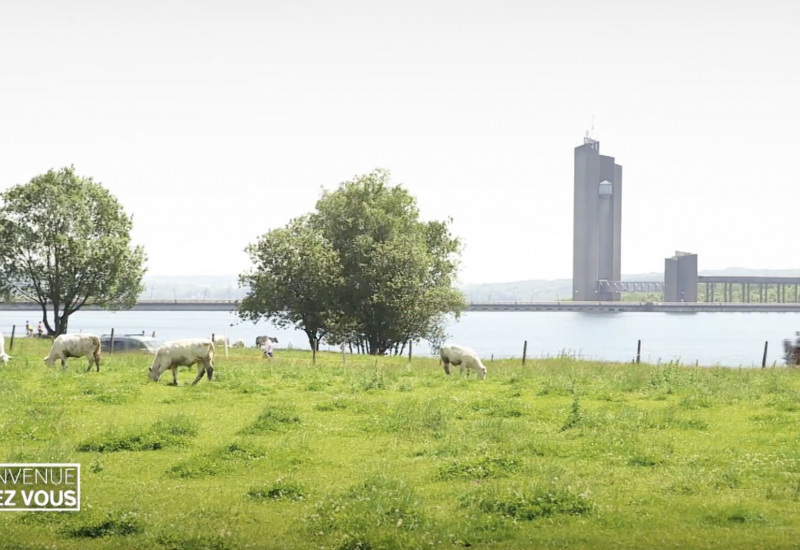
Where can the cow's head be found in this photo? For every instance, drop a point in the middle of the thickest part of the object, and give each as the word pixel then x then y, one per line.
pixel 49 361
pixel 4 358
pixel 154 372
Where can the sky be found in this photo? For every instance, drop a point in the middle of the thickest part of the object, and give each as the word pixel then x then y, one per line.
pixel 215 121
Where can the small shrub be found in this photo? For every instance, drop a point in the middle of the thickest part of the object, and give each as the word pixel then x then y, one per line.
pixel 575 416
pixel 369 381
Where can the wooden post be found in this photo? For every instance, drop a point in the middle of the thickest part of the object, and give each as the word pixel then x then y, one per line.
pixel 638 351
pixel 524 352
pixel 11 344
pixel 409 350
pixel 212 337
pixel 111 344
pixel 492 359
pixel 764 359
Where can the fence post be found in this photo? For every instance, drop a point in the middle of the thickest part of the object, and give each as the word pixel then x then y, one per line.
pixel 524 352
pixel 11 344
pixel 212 337
pixel 638 351
pixel 111 344
pixel 764 359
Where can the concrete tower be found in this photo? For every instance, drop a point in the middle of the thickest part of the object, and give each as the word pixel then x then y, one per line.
pixel 597 222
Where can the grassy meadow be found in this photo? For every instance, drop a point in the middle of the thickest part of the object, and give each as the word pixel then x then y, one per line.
pixel 383 453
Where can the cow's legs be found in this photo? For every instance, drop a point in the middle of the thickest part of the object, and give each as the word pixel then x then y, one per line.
pixel 446 366
pixel 93 360
pixel 201 369
pixel 174 376
pixel 63 363
pixel 209 368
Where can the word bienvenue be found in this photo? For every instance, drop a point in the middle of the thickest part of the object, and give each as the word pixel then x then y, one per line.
pixel 40 487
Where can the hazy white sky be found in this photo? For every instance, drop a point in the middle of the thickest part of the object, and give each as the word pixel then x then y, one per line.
pixel 214 121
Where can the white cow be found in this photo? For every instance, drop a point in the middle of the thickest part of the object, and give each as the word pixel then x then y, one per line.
pixel 461 357
pixel 3 357
pixel 184 353
pixel 75 345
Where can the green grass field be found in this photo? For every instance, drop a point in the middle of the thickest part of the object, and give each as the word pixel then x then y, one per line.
pixel 390 454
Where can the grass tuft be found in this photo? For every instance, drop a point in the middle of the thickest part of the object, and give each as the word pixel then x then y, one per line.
pixel 169 432
pixel 121 524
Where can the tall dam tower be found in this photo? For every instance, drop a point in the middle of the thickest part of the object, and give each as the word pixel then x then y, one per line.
pixel 597 223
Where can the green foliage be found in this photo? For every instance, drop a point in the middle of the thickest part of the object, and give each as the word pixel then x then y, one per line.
pixel 294 279
pixel 361 269
pixel 65 242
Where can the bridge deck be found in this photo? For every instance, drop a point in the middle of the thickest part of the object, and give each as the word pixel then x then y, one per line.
pixel 231 305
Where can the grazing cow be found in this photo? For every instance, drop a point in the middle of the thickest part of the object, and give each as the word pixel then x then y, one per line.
pixel 239 344
pixel 461 357
pixel 75 345
pixel 184 353
pixel 3 357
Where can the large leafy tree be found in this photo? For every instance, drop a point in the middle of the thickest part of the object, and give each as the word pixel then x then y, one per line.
pixel 398 271
pixel 361 269
pixel 64 243
pixel 293 281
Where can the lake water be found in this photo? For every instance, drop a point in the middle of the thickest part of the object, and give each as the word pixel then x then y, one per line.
pixel 727 339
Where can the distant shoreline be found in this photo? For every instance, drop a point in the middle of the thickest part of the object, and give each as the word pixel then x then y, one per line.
pixel 657 307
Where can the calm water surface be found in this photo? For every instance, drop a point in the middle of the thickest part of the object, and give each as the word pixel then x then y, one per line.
pixel 728 339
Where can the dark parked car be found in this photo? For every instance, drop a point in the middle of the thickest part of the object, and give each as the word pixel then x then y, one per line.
pixel 129 342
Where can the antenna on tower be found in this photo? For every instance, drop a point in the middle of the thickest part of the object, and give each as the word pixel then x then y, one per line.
pixel 588 138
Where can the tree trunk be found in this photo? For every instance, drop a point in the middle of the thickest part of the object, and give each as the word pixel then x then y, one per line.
pixel 61 324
